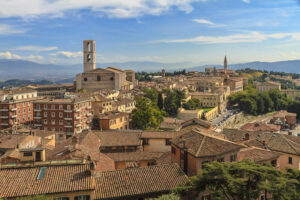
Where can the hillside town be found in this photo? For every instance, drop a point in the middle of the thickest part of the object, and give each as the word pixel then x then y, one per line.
pixel 111 135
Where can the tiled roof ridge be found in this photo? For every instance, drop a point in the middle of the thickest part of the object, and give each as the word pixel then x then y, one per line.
pixel 215 137
pixel 45 164
pixel 290 143
pixel 138 168
pixel 202 142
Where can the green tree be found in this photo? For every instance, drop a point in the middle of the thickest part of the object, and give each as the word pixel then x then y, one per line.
pixel 146 115
pixel 170 105
pixel 180 96
pixel 243 180
pixel 192 104
pixel 160 101
pixel 151 94
pixel 248 105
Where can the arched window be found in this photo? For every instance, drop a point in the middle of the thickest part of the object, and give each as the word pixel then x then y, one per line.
pixel 98 78
pixel 89 46
pixel 85 79
pixel 89 58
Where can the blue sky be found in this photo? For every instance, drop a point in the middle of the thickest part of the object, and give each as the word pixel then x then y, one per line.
pixel 197 31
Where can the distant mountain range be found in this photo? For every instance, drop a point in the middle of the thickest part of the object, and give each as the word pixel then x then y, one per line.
pixel 26 70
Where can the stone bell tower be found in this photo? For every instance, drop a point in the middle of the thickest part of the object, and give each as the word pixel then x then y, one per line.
pixel 89 55
pixel 225 65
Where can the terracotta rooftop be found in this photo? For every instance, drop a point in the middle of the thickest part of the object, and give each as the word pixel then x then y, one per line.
pixel 28 181
pixel 283 113
pixel 135 182
pixel 273 141
pixel 116 138
pixel 77 147
pixel 257 155
pixel 11 141
pixel 199 144
pixel 160 134
pixel 133 156
pixel 112 115
pixel 259 126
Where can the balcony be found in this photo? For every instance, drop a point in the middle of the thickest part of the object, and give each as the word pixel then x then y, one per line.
pixel 13 109
pixel 3 117
pixel 68 126
pixel 4 109
pixel 37 110
pixel 4 124
pixel 68 111
pixel 78 125
pixel 78 110
pixel 68 118
pixel 38 125
pixel 14 116
pixel 37 117
pixel 77 117
pixel 89 114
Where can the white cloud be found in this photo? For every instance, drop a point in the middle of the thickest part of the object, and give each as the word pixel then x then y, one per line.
pixel 290 56
pixel 237 38
pixel 6 29
pixel 111 8
pixel 246 1
pixel 207 22
pixel 35 48
pixel 9 55
pixel 67 54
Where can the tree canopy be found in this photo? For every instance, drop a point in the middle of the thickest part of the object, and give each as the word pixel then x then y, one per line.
pixel 192 104
pixel 244 180
pixel 251 101
pixel 146 115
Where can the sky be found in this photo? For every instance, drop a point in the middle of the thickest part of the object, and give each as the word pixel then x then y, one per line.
pixel 168 31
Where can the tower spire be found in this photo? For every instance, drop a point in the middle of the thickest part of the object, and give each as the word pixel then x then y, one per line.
pixel 225 65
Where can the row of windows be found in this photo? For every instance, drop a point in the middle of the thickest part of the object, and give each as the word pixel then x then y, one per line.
pixel 81 197
pixel 98 78
pixel 60 122
pixel 52 106
pixel 60 114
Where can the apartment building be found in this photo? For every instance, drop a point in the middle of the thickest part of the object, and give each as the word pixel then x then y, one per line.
pixel 16 107
pixel 124 105
pixel 211 100
pixel 235 84
pixel 114 120
pixel 266 86
pixel 66 116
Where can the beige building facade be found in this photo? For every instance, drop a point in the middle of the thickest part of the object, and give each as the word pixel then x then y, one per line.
pixel 93 79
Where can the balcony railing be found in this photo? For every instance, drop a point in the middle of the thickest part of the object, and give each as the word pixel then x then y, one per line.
pixel 4 109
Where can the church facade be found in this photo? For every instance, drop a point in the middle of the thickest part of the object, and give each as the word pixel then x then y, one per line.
pixel 93 79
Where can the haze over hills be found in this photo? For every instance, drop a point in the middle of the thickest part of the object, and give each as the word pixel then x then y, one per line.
pixel 27 70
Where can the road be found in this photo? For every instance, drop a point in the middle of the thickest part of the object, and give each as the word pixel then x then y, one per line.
pixel 223 117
